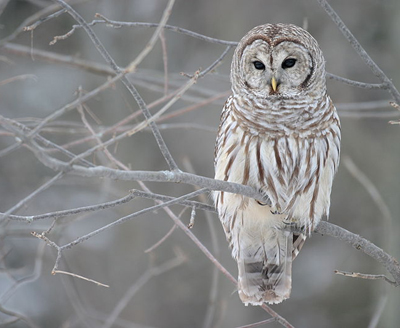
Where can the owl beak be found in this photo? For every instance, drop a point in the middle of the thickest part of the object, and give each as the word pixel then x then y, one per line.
pixel 274 83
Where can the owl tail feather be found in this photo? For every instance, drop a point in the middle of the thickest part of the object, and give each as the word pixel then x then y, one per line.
pixel 265 272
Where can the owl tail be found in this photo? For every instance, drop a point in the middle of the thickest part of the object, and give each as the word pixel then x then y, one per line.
pixel 265 266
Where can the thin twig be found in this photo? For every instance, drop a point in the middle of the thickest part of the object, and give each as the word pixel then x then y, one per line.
pixel 165 237
pixel 372 114
pixel 80 277
pixel 18 316
pixel 165 61
pixel 366 276
pixel 52 57
pixel 214 64
pixel 159 242
pixel 43 20
pixel 74 211
pixel 357 84
pixel 378 313
pixel 207 101
pixel 258 324
pixel 18 78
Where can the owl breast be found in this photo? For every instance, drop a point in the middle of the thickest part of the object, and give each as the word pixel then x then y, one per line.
pixel 293 170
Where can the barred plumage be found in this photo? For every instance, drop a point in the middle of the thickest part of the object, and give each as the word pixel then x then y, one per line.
pixel 279 133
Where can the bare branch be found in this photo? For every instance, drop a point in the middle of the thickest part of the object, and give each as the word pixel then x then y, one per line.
pixel 165 61
pixel 80 277
pixel 19 77
pixel 79 210
pixel 356 83
pixel 167 176
pixel 360 243
pixel 44 19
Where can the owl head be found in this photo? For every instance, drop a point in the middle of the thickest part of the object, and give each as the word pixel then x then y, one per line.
pixel 278 61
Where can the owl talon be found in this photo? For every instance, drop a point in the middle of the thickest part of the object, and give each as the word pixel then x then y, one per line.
pixel 275 212
pixel 261 204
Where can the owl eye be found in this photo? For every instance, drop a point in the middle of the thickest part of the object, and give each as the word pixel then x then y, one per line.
pixel 259 65
pixel 288 63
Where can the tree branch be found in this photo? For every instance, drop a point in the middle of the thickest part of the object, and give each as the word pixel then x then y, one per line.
pixel 362 244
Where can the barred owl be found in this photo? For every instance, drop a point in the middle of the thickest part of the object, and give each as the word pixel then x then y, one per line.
pixel 279 133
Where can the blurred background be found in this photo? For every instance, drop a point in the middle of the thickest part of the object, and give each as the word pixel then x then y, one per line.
pixel 175 285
